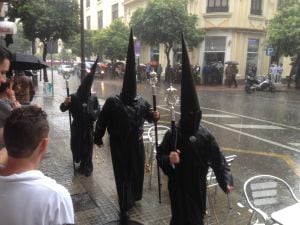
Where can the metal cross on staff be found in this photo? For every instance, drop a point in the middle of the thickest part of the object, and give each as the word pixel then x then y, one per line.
pixel 153 81
pixel 172 100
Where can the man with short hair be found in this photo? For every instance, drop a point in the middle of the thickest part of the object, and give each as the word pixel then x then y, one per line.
pixel 27 196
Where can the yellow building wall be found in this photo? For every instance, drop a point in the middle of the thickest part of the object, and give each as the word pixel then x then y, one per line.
pixel 237 25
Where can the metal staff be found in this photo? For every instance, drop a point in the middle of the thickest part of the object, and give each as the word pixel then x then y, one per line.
pixel 172 101
pixel 153 81
pixel 68 95
pixel 70 120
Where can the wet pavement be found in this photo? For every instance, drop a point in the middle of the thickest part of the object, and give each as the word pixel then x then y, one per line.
pixel 95 199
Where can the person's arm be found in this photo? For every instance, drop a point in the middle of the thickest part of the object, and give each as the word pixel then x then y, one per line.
pixel 220 167
pixel 164 155
pixel 12 97
pixel 3 152
pixel 66 104
pixel 150 114
pixel 94 109
pixel 64 214
pixel 103 121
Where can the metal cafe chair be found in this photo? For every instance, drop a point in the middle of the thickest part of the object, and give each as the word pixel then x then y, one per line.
pixel 213 184
pixel 161 130
pixel 266 194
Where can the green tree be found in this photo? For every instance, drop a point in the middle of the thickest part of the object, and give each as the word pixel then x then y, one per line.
pixel 46 19
pixel 283 33
pixel 21 44
pixel 163 21
pixel 74 44
pixel 112 41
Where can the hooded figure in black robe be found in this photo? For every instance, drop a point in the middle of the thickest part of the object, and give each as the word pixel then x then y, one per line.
pixel 84 108
pixel 197 149
pixel 124 116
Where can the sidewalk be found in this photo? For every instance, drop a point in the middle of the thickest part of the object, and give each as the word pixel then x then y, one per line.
pixel 95 199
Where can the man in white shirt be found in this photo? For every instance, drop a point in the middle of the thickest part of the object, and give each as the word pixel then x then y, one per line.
pixel 273 71
pixel 279 73
pixel 27 196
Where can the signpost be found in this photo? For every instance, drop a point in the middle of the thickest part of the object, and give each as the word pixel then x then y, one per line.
pixel 270 51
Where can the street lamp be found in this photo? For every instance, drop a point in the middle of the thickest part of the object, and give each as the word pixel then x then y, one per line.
pixel 137 47
pixel 82 74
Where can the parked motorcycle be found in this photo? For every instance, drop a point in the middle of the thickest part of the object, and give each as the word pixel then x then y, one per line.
pixel 263 83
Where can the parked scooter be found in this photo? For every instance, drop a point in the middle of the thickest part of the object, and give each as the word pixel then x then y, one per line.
pixel 263 83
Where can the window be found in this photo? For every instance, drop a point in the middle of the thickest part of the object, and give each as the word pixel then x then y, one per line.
pixel 87 3
pixel 154 54
pixel 217 6
pixel 114 11
pixel 100 19
pixel 215 44
pixel 88 22
pixel 252 54
pixel 256 7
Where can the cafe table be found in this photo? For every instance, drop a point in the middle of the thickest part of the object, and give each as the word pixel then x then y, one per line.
pixel 288 216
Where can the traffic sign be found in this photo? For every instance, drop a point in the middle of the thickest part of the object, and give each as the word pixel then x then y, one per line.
pixel 270 51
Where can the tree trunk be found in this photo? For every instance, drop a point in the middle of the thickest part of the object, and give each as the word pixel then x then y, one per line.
pixel 44 58
pixel 33 47
pixel 297 72
pixel 168 72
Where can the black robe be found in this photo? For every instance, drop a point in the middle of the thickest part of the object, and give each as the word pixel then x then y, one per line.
pixel 125 127
pixel 82 128
pixel 187 182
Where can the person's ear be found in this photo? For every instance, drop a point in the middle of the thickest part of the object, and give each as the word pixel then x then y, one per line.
pixel 43 145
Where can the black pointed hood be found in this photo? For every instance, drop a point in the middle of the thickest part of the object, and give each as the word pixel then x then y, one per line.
pixel 128 92
pixel 190 107
pixel 84 90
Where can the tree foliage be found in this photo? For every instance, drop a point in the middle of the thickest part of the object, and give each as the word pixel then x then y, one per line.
pixel 21 44
pixel 45 19
pixel 284 33
pixel 74 44
pixel 112 41
pixel 163 21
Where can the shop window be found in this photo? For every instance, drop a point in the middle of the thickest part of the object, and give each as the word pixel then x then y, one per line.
pixel 115 11
pixel 177 56
pixel 100 19
pixel 214 44
pixel 154 54
pixel 217 6
pixel 252 55
pixel 256 7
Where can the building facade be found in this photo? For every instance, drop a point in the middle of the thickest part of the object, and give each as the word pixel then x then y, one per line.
pixel 234 30
pixel 100 13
